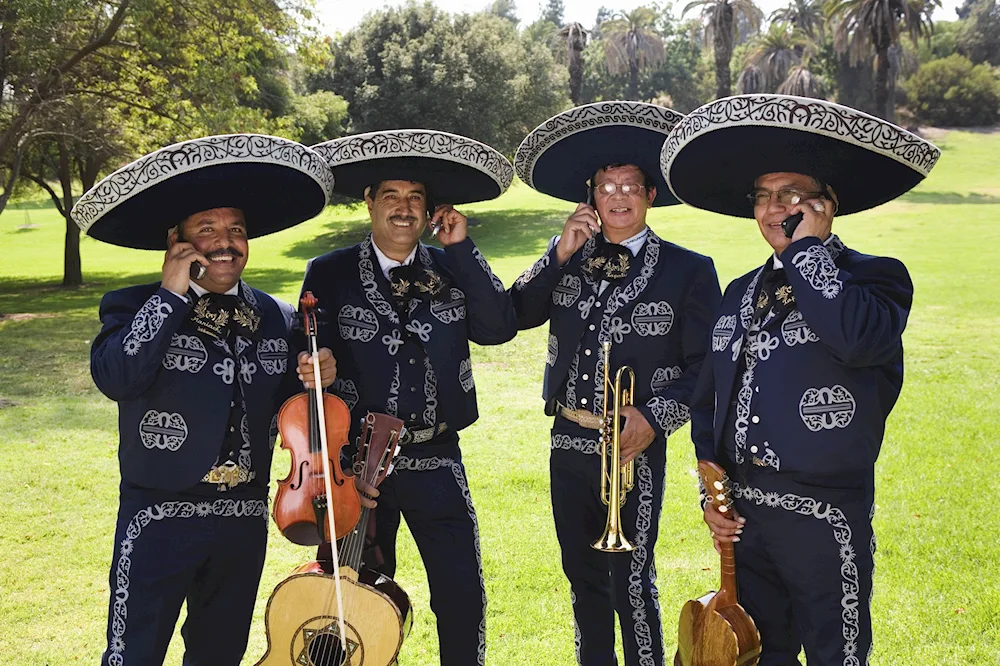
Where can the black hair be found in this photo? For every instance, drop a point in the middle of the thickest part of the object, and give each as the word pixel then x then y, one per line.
pixel 428 198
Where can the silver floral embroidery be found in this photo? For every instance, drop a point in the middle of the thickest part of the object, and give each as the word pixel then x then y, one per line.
pixel 465 375
pixel 643 521
pixel 827 408
pixel 368 283
pixel 670 415
pixel 226 368
pixel 623 296
pixel 795 330
pixel 552 351
pixel 422 331
pixel 449 310
pixel 187 353
pixel 497 284
pixel 568 443
pixel 393 341
pixel 430 393
pixel 723 332
pixel 816 266
pixel 146 324
pixel 247 370
pixel 655 318
pixel 163 430
pixel 273 355
pixel 664 377
pixel 533 272
pixel 392 404
pixel 346 390
pixel 567 291
pixel 357 323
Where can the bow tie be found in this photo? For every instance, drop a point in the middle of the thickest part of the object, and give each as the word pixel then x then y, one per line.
pixel 775 293
pixel 415 281
pixel 610 262
pixel 216 315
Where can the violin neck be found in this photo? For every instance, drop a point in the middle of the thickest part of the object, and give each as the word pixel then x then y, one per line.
pixel 315 395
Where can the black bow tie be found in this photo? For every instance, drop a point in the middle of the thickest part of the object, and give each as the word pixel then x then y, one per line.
pixel 610 262
pixel 216 315
pixel 775 293
pixel 415 281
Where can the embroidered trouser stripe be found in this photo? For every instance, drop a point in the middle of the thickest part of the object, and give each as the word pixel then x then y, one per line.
pixel 804 567
pixel 432 494
pixel 208 552
pixel 601 583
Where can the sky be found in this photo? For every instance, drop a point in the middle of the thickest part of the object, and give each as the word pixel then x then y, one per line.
pixel 342 15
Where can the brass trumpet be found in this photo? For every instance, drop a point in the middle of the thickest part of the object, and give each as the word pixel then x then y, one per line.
pixel 616 479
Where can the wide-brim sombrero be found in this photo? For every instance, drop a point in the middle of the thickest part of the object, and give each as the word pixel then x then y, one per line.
pixel 453 168
pixel 277 183
pixel 712 157
pixel 560 156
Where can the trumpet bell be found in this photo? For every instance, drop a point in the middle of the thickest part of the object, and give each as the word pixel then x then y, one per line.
pixel 613 542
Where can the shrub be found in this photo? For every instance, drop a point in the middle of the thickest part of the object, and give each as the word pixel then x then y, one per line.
pixel 952 92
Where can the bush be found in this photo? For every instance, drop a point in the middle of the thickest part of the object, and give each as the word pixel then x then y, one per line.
pixel 951 92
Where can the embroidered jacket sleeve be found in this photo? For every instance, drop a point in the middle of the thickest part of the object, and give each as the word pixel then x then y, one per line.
pixel 488 305
pixel 859 314
pixel 290 384
pixel 134 339
pixel 670 407
pixel 532 291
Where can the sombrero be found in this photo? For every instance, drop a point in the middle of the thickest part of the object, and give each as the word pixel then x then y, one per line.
pixel 561 155
pixel 277 183
pixel 453 168
pixel 712 157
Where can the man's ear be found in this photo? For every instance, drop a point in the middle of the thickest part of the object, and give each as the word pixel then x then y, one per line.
pixel 173 236
pixel 651 194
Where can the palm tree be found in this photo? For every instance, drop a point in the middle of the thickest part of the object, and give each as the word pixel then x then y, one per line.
pixel 865 27
pixel 775 53
pixel 631 44
pixel 574 36
pixel 720 32
pixel 802 82
pixel 805 16
pixel 751 80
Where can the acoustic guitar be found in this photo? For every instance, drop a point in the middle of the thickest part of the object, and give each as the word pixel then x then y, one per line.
pixel 309 622
pixel 715 630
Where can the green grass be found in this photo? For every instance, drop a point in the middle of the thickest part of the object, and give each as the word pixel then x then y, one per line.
pixel 937 588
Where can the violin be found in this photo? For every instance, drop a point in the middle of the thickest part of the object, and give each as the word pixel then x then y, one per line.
pixel 332 612
pixel 314 427
pixel 715 630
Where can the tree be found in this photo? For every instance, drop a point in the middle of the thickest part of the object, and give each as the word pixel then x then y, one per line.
pixel 574 37
pixel 719 17
pixel 775 53
pixel 631 44
pixel 871 27
pixel 553 12
pixel 953 92
pixel 417 66
pixel 506 9
pixel 979 37
pixel 806 16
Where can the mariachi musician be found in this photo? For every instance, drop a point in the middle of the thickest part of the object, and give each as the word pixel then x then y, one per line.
pixel 807 357
pixel 402 316
pixel 199 364
pixel 610 279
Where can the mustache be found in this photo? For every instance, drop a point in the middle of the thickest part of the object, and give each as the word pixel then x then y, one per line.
pixel 222 251
pixel 402 218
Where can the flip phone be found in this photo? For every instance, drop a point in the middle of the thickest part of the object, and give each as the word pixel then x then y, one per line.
pixel 197 270
pixel 789 224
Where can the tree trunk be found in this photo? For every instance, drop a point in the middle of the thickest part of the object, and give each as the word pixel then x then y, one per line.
pixel 882 102
pixel 72 266
pixel 723 51
pixel 575 74
pixel 633 79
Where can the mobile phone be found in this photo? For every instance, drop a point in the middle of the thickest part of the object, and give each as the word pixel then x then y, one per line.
pixel 590 196
pixel 789 224
pixel 197 270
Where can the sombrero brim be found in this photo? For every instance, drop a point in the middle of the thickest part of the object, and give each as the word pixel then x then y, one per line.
pixel 714 155
pixel 454 169
pixel 562 154
pixel 277 184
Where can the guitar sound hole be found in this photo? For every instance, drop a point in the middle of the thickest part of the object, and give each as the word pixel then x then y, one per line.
pixel 325 650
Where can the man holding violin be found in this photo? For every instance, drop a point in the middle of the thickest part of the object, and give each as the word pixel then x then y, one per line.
pixel 402 316
pixel 199 364
pixel 609 279
pixel 806 361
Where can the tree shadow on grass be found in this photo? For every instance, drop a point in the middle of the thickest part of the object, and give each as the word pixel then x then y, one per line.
pixel 498 233
pixel 949 198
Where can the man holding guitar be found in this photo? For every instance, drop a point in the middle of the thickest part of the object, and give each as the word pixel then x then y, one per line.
pixel 199 364
pixel 402 316
pixel 807 358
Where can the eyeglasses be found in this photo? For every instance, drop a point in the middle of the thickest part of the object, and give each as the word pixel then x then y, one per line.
pixel 607 189
pixel 785 197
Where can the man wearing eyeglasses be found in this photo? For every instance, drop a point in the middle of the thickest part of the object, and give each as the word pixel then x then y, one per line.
pixel 806 360
pixel 608 278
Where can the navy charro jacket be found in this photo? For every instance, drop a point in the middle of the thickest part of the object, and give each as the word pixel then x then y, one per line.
pixel 417 366
pixel 818 383
pixel 658 321
pixel 174 386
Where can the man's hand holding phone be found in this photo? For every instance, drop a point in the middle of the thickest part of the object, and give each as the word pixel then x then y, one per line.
pixel 581 225
pixel 182 264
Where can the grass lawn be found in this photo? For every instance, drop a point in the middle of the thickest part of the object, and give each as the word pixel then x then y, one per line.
pixel 937 578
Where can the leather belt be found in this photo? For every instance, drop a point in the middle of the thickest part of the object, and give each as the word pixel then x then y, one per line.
pixel 421 435
pixel 228 474
pixel 582 418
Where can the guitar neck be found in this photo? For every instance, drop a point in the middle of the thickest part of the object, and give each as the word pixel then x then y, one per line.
pixel 726 596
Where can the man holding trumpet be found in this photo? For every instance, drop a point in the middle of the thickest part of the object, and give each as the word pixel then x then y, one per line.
pixel 610 287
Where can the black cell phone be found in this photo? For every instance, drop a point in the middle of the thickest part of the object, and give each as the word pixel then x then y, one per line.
pixel 789 224
pixel 590 196
pixel 197 270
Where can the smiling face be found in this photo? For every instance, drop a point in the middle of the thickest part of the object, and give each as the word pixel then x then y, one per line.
pixel 398 209
pixel 771 214
pixel 221 235
pixel 622 215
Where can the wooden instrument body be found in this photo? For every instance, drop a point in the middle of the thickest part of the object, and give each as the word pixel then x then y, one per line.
pixel 295 503
pixel 715 630
pixel 300 620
